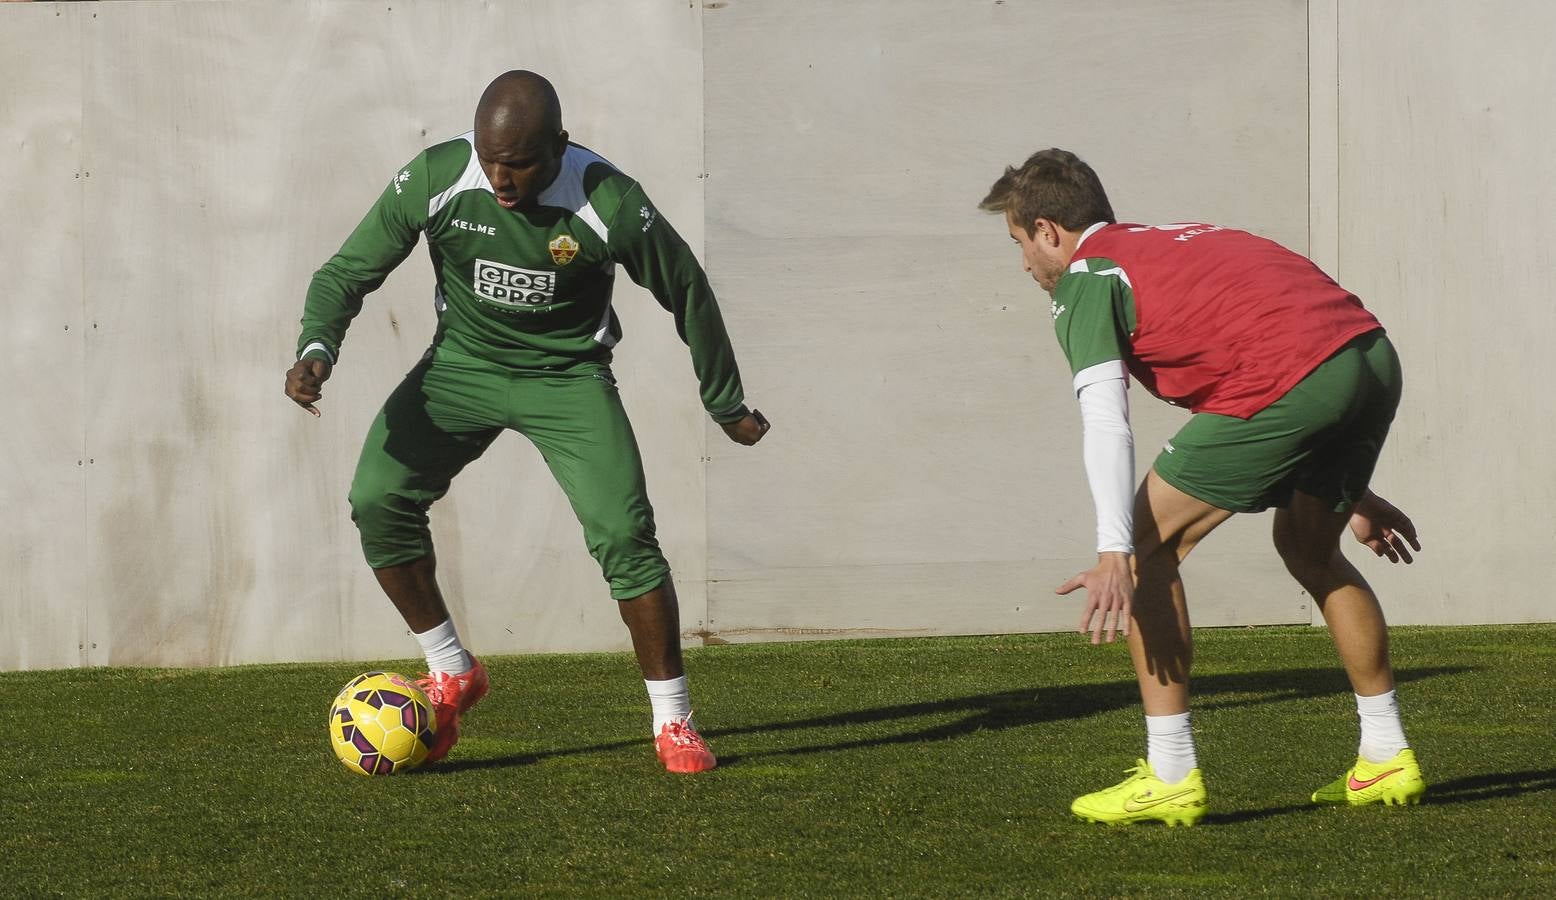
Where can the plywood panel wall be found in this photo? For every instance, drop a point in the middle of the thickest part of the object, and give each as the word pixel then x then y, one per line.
pixel 1446 216
pixel 226 151
pixel 43 617
pixel 930 477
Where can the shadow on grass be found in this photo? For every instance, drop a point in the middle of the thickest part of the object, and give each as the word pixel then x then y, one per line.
pixel 518 759
pixel 1252 815
pixel 500 762
pixel 1470 789
pixel 997 711
pixel 1011 709
pixel 1486 787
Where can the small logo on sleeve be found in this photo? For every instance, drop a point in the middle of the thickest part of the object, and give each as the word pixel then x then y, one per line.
pixel 1056 309
pixel 403 177
pixel 563 249
pixel 511 287
pixel 648 215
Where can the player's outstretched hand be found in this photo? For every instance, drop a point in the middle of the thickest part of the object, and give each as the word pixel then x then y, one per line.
pixel 305 382
pixel 1384 530
pixel 1110 590
pixel 748 430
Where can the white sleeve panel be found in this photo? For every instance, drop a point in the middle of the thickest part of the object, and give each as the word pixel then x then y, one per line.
pixel 1109 451
pixel 1103 371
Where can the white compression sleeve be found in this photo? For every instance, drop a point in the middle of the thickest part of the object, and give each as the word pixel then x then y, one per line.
pixel 1109 451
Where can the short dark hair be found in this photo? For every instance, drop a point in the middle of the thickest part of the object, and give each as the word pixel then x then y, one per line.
pixel 1052 184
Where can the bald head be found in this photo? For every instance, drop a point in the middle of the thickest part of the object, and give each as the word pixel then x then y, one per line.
pixel 519 101
pixel 518 136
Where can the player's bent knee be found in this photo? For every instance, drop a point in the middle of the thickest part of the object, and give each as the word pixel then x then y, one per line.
pixel 385 547
pixel 629 556
pixel 371 507
pixel 619 537
pixel 1314 567
pixel 632 585
pixel 1157 561
pixel 1296 550
pixel 392 526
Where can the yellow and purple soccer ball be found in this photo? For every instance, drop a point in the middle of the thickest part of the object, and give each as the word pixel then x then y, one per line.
pixel 381 723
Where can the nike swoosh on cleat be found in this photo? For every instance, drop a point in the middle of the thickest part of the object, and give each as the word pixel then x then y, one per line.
pixel 1135 804
pixel 1355 785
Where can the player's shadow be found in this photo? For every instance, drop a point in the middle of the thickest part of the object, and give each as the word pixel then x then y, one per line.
pixel 521 759
pixel 518 759
pixel 1469 789
pixel 1034 706
pixel 996 711
pixel 1473 788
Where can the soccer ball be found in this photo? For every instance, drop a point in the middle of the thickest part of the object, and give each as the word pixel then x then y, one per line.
pixel 381 723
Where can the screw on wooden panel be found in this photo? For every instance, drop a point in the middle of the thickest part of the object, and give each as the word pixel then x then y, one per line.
pixel 67 327
pixel 79 462
pixel 94 645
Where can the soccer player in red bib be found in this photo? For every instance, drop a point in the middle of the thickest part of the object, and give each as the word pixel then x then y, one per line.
pixel 526 230
pixel 1293 386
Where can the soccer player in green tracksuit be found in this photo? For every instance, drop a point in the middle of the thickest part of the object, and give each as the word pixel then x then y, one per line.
pixel 1293 386
pixel 525 231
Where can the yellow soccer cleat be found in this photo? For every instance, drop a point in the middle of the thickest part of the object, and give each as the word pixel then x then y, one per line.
pixel 1397 782
pixel 1142 797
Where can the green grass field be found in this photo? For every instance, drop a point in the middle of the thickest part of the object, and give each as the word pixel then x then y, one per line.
pixel 896 768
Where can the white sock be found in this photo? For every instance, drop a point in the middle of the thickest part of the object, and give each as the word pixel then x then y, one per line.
pixel 443 650
pixel 671 700
pixel 1169 745
pixel 1382 735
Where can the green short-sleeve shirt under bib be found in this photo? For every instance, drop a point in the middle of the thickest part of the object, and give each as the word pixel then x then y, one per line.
pixel 1094 312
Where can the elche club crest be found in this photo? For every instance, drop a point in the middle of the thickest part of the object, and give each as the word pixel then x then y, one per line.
pixel 563 249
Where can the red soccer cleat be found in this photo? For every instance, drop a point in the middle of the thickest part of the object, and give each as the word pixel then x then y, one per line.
pixel 682 749
pixel 451 697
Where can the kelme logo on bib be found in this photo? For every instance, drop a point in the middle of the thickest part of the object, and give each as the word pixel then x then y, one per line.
pixel 563 249
pixel 513 287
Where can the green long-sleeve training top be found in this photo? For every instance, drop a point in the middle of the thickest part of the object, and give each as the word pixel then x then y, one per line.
pixel 526 289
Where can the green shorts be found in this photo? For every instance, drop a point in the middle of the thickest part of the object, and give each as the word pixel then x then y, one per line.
pixel 1322 438
pixel 450 408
